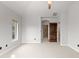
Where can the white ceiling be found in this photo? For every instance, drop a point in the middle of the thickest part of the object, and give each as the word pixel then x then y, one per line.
pixel 24 7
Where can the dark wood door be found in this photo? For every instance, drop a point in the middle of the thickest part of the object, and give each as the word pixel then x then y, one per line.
pixel 53 32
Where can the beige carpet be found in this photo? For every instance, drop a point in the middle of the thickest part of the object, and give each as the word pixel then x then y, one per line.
pixel 41 50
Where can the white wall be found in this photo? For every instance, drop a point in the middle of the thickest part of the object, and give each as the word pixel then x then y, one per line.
pixel 63 29
pixel 32 13
pixel 31 26
pixel 6 16
pixel 73 26
pixel 31 29
pixel 31 23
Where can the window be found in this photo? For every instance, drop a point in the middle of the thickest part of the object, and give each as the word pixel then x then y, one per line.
pixel 14 29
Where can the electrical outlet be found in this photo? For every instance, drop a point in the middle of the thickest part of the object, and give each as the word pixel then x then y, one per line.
pixel 34 38
pixel 6 45
pixel 78 45
pixel 0 48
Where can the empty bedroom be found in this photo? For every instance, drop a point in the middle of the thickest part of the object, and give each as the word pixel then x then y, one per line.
pixel 39 29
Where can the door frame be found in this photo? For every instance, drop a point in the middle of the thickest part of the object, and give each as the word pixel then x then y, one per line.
pixel 51 21
pixel 42 30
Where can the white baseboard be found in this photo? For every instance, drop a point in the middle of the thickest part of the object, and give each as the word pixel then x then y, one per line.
pixel 32 42
pixel 73 48
pixel 63 44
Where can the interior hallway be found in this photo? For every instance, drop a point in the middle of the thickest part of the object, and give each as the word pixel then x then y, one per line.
pixel 42 50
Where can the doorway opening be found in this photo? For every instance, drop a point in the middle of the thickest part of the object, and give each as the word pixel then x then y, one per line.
pixel 45 30
pixel 50 31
